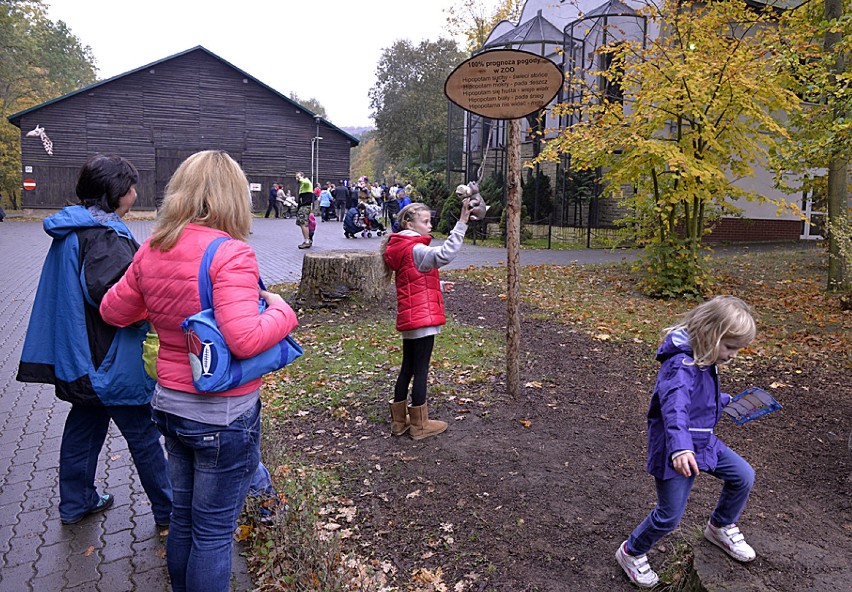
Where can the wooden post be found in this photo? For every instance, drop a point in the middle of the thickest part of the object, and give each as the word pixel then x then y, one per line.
pixel 331 276
pixel 513 246
pixel 496 84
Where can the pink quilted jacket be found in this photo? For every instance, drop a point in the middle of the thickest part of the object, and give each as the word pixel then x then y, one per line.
pixel 162 286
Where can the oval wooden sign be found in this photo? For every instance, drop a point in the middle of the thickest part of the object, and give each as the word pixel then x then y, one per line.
pixel 504 83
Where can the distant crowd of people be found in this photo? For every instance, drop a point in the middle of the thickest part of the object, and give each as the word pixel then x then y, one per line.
pixel 361 206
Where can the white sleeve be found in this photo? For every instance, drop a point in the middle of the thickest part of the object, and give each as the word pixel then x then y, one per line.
pixel 428 258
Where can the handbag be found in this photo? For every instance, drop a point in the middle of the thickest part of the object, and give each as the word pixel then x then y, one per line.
pixel 214 367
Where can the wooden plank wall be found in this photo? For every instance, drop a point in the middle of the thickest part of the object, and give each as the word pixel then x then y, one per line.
pixel 189 103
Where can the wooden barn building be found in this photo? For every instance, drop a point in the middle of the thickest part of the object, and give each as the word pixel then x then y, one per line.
pixel 157 115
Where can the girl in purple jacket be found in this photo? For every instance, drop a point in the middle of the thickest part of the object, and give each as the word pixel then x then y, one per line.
pixel 685 407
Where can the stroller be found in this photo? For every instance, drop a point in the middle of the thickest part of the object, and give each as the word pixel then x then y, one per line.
pixel 371 221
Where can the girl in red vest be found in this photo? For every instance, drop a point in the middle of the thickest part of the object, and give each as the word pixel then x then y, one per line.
pixel 420 310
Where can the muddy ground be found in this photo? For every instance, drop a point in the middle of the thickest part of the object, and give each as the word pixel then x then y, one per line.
pixel 536 493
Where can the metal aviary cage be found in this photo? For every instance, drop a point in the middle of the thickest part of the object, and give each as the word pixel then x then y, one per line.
pixel 571 208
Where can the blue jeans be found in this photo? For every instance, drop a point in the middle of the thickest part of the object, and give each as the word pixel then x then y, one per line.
pixel 673 493
pixel 82 440
pixel 261 482
pixel 211 468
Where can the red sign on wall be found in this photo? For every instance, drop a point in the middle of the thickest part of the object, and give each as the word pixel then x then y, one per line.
pixel 29 184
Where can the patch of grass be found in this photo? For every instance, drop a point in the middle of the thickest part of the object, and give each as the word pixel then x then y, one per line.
pixel 300 548
pixel 350 359
pixel 677 564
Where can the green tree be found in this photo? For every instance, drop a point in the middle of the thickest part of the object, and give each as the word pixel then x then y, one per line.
pixel 367 159
pixel 698 109
pixel 450 213
pixel 491 190
pixel 430 187
pixel 408 102
pixel 537 196
pixel 817 39
pixel 311 104
pixel 39 60
pixel 475 19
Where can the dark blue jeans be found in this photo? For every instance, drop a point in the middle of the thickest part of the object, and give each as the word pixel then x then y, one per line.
pixel 261 482
pixel 82 440
pixel 211 468
pixel 673 493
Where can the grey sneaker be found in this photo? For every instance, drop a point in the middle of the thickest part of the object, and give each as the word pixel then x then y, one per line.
pixel 306 245
pixel 731 541
pixel 636 568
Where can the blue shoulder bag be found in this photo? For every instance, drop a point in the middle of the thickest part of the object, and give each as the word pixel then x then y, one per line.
pixel 214 367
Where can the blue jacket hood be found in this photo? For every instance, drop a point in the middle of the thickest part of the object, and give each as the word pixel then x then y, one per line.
pixel 86 254
pixel 68 220
pixel 676 342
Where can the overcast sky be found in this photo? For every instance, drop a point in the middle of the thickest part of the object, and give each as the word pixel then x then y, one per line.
pixel 326 49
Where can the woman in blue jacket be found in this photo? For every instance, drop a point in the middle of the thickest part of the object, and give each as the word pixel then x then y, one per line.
pixel 99 370
pixel 685 407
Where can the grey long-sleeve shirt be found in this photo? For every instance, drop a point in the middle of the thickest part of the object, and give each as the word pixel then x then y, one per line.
pixel 426 258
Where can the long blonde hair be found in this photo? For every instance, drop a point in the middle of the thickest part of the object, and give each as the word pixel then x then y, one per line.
pixel 723 317
pixel 208 188
pixel 403 217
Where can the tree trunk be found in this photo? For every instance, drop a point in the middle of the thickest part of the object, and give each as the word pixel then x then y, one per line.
pixel 329 277
pixel 513 242
pixel 839 272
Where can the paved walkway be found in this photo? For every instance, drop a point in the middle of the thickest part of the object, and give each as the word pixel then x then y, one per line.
pixel 119 550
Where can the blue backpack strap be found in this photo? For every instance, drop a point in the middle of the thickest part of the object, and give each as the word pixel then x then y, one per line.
pixel 205 286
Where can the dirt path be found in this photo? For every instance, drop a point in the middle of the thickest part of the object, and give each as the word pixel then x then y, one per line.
pixel 504 507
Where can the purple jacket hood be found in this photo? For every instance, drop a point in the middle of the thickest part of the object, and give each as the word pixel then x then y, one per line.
pixel 685 407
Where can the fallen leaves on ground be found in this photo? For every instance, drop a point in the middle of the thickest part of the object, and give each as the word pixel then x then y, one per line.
pixel 786 289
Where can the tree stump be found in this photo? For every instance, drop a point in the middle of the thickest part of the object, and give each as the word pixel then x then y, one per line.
pixel 331 276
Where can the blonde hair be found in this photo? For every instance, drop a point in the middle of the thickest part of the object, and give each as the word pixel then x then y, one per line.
pixel 408 213
pixel 723 317
pixel 208 188
pixel 403 218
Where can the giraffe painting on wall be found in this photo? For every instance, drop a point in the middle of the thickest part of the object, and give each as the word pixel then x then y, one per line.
pixel 45 141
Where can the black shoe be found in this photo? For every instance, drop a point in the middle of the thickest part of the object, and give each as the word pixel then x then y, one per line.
pixel 105 502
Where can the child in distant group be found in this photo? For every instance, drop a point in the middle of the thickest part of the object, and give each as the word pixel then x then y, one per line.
pixel 325 202
pixel 685 407
pixel 420 310
pixel 312 227
pixel 403 198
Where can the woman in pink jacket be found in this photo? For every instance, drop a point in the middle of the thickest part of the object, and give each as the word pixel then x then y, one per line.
pixel 213 440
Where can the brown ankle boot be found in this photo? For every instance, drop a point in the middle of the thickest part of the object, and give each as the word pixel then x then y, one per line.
pixel 421 425
pixel 399 419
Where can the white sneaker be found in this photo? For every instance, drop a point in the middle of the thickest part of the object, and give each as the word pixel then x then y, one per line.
pixel 731 541
pixel 636 568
